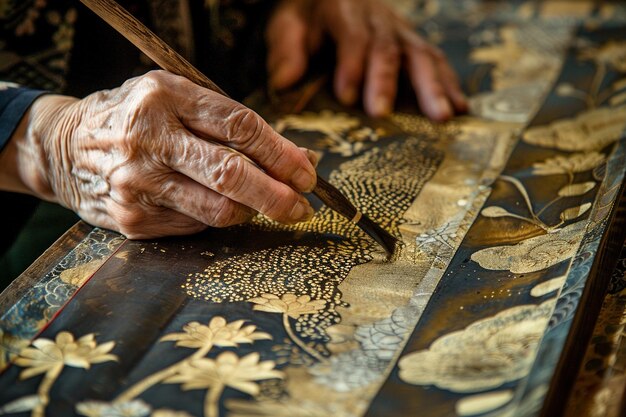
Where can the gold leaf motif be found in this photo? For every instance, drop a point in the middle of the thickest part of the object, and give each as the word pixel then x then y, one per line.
pixel 217 333
pixel 575 212
pixel 484 355
pixel 226 370
pixel 10 346
pixel 534 254
pixel 289 304
pixel 547 287
pixel 482 403
pixel 494 211
pixel 326 121
pixel 611 54
pixel 135 408
pixel 574 190
pixel 578 162
pixel 589 130
pixel 47 355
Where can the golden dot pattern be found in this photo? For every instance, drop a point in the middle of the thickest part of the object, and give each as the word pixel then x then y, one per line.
pixel 382 183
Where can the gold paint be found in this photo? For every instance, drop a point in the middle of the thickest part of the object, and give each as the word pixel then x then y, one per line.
pixel 77 276
pixel 534 254
pixel 10 347
pixel 548 286
pixel 357 217
pixel 49 357
pixel 484 355
pixel 226 370
pixel 135 408
pixel 482 403
pixel 589 130
pixel 566 8
pixel 569 164
pixel 203 338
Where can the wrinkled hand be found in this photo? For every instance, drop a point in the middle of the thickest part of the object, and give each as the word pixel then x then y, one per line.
pixel 154 158
pixel 372 43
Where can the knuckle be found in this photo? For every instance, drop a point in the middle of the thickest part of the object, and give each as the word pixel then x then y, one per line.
pixel 229 176
pixel 130 221
pixel 277 204
pixel 244 126
pixel 224 214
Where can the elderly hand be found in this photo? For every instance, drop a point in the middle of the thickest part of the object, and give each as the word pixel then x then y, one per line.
pixel 372 44
pixel 154 158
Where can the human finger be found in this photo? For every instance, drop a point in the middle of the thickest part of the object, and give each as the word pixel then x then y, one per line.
pixel 381 83
pixel 351 34
pixel 450 81
pixel 232 175
pixel 286 37
pixel 430 92
pixel 147 222
pixel 180 193
pixel 212 116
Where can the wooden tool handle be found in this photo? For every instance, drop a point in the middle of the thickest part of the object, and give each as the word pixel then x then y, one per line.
pixel 149 43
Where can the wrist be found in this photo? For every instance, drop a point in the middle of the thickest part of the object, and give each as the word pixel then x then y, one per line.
pixel 38 149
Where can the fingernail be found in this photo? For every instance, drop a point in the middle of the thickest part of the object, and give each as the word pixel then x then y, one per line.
pixel 443 108
pixel 348 95
pixel 381 106
pixel 302 211
pixel 312 156
pixel 303 180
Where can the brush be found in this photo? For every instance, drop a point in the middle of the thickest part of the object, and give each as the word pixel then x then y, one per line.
pixel 168 59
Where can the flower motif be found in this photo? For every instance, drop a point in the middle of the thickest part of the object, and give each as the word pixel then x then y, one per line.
pixel 288 304
pixel 578 162
pixel 327 122
pixel 217 333
pixel 533 254
pixel 612 54
pixel 486 354
pixel 10 346
pixel 227 369
pixel 135 408
pixel 590 130
pixel 64 350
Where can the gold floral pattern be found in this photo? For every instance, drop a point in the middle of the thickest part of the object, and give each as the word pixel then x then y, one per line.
pixel 203 338
pixel 47 355
pixel 10 346
pixel 343 134
pixel 588 131
pixel 50 357
pixel 534 254
pixel 226 370
pixel 484 355
pixel 288 304
pixel 612 54
pixel 570 164
pixel 218 332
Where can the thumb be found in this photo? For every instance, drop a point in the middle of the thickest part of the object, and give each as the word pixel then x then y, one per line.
pixel 288 55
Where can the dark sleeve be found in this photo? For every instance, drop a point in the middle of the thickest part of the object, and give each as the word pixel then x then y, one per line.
pixel 230 43
pixel 14 102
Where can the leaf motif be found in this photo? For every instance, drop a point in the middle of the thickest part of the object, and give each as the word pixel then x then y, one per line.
pixel 494 211
pixel 575 212
pixel 20 405
pixel 573 190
